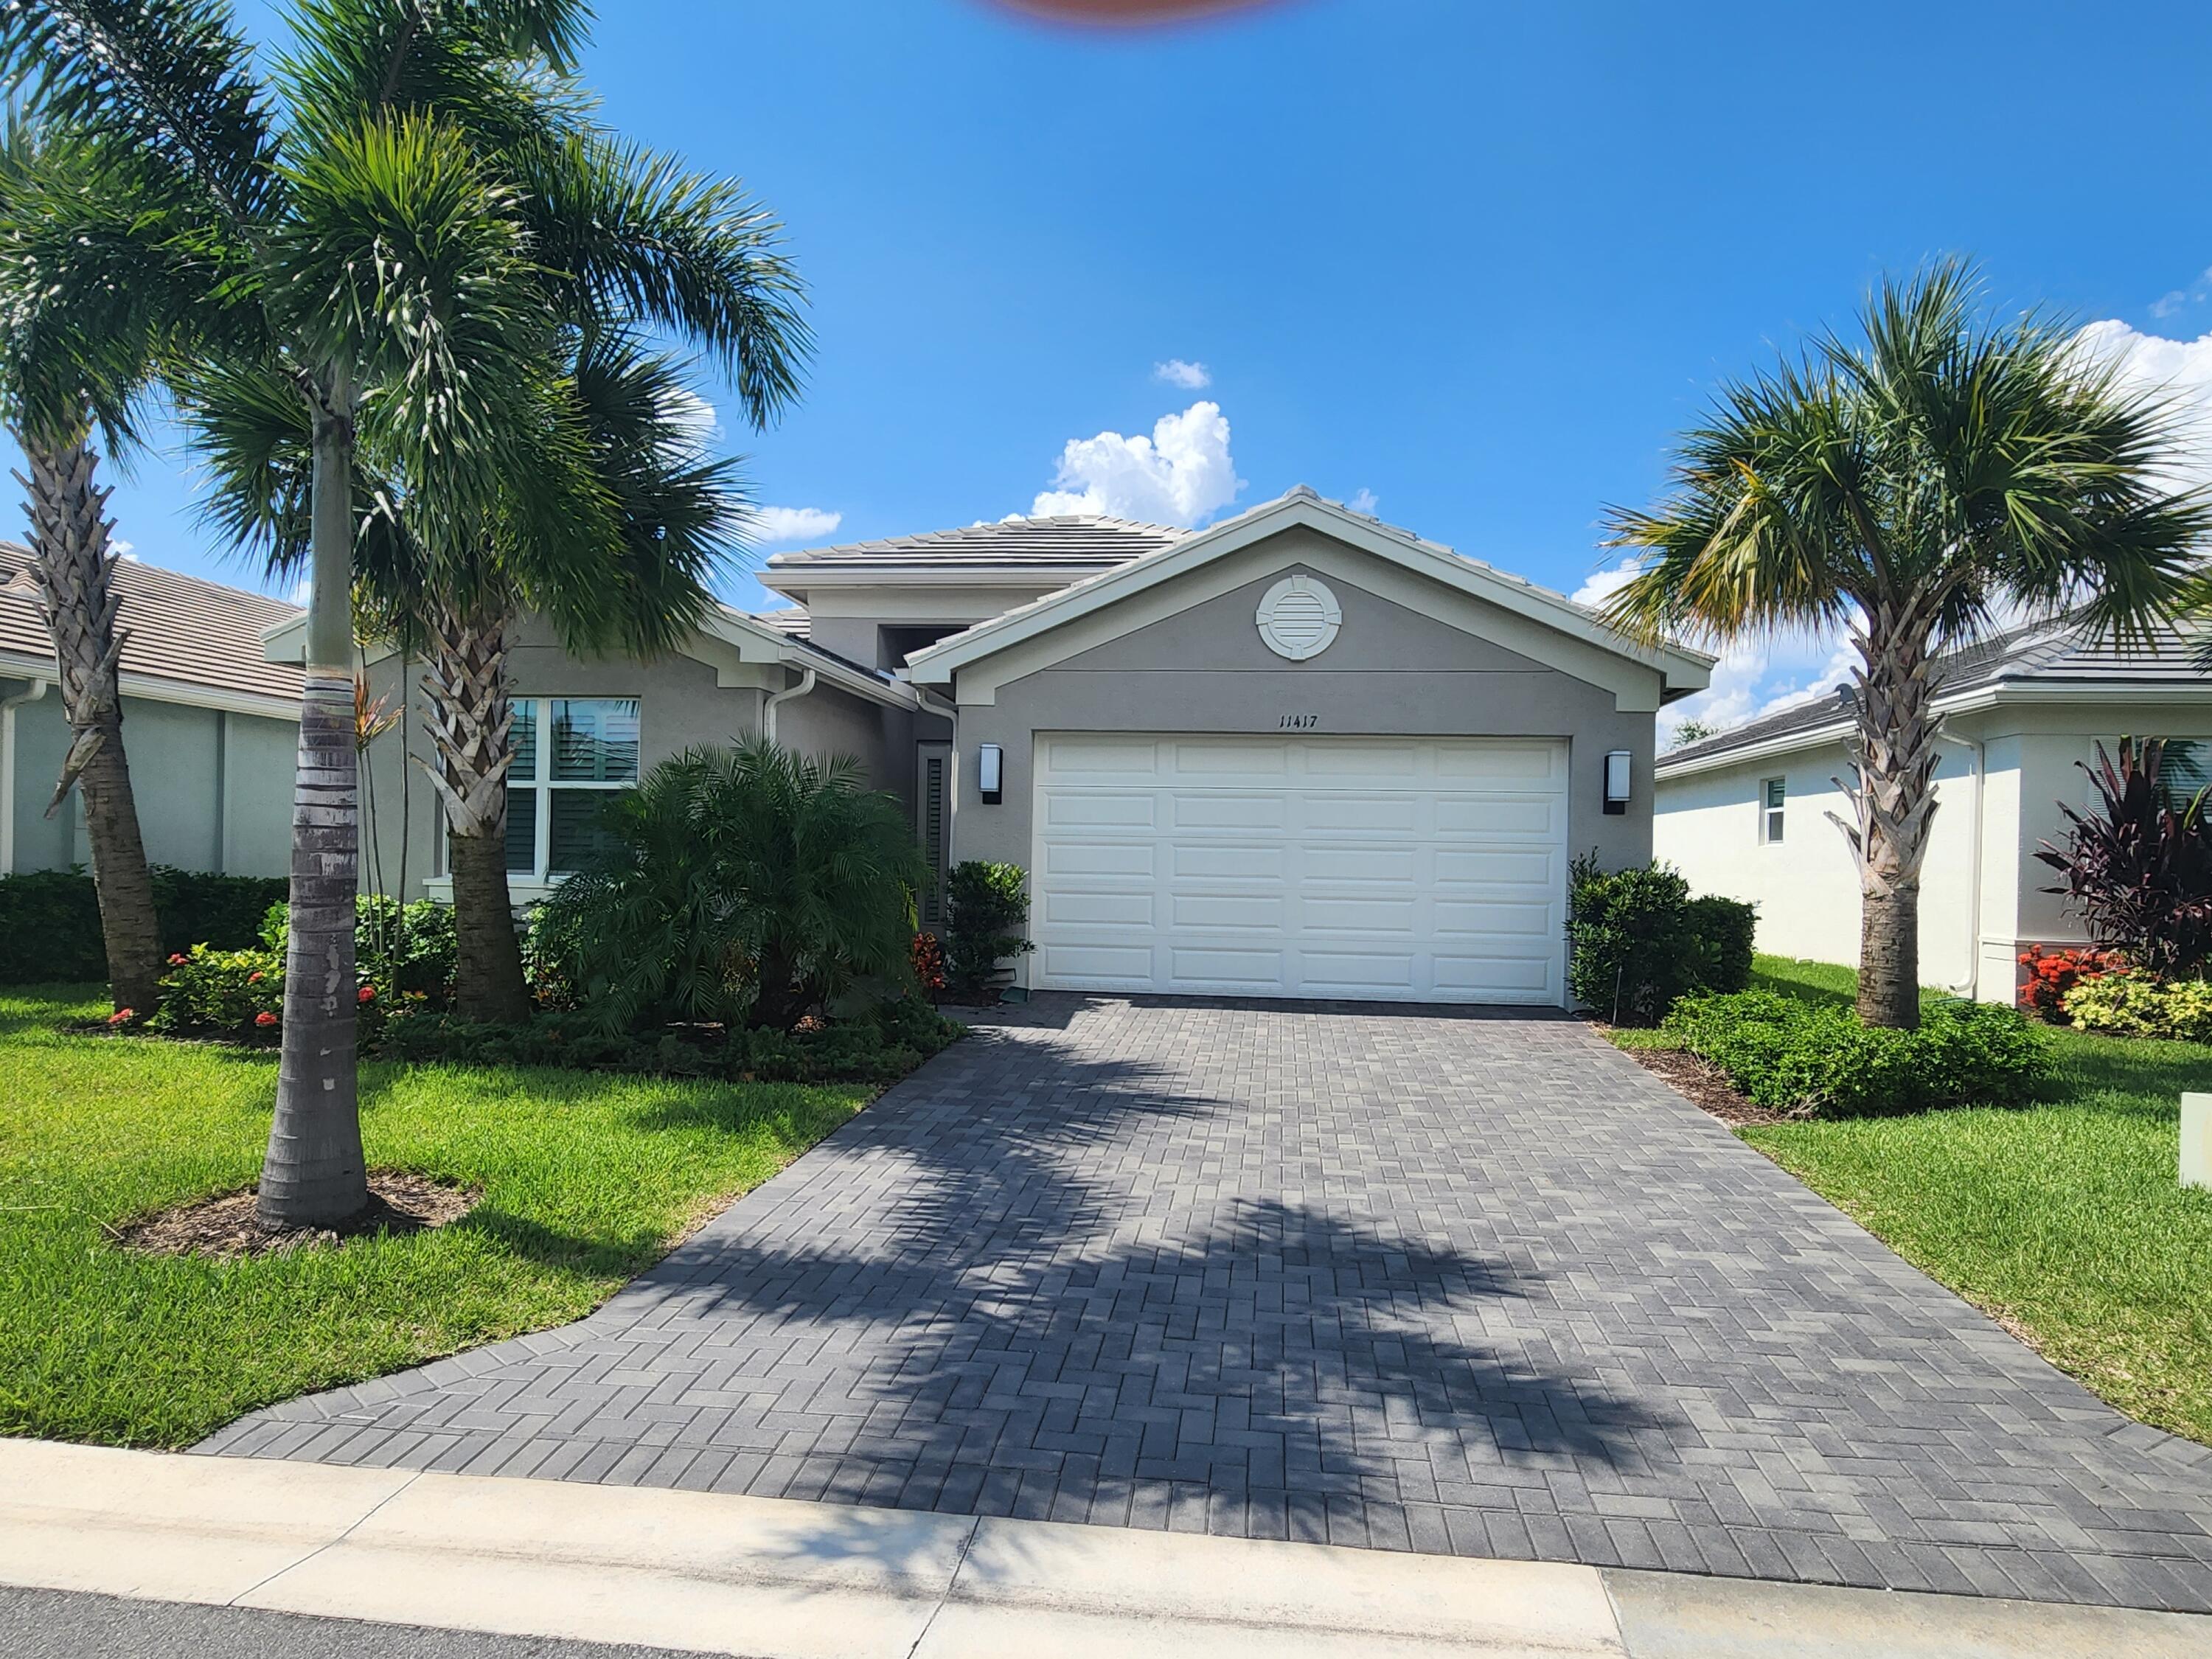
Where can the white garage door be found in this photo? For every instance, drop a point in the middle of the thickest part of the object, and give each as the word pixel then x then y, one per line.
pixel 1414 869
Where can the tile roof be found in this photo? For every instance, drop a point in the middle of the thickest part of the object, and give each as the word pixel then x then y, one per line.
pixel 1071 538
pixel 789 620
pixel 197 633
pixel 2046 653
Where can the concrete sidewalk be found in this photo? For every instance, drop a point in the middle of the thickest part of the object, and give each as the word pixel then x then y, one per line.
pixel 770 1578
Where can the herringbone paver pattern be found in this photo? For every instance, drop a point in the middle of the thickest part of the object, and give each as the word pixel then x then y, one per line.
pixel 1378 1277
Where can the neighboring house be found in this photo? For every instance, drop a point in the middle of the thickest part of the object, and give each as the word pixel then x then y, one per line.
pixel 1744 812
pixel 211 727
pixel 1299 754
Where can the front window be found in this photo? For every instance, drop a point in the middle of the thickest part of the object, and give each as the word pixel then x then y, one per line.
pixel 2185 769
pixel 569 753
pixel 1771 794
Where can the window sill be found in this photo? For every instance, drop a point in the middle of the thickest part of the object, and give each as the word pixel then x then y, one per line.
pixel 521 890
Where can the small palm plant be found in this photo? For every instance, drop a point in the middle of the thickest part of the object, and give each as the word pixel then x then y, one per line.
pixel 746 887
pixel 1914 486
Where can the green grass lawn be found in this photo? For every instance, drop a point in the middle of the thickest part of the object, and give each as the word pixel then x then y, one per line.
pixel 2065 1219
pixel 587 1177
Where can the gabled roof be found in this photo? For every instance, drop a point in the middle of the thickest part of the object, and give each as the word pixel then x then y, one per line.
pixel 2047 658
pixel 190 641
pixel 1057 549
pixel 1684 670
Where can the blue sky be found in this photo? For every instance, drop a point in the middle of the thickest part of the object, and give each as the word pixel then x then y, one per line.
pixel 1479 262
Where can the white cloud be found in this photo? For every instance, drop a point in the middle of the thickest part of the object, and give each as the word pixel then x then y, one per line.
pixel 1191 377
pixel 1365 501
pixel 692 415
pixel 772 525
pixel 1179 475
pixel 2178 370
pixel 122 550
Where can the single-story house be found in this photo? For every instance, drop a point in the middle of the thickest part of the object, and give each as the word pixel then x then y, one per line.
pixel 1298 754
pixel 211 725
pixel 1744 812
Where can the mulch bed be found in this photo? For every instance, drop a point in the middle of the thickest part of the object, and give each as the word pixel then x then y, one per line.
pixel 226 1228
pixel 1704 1085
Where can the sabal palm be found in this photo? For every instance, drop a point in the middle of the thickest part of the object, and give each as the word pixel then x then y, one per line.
pixel 356 240
pixel 1916 486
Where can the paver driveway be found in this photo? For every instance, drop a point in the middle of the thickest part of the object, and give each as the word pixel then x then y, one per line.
pixel 1371 1276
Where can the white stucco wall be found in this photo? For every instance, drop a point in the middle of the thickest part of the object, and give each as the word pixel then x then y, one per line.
pixel 1806 887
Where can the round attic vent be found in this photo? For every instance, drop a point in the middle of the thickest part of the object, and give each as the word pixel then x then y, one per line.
pixel 1299 618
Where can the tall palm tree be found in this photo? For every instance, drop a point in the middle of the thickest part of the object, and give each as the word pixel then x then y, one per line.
pixel 1914 486
pixel 72 560
pixel 313 222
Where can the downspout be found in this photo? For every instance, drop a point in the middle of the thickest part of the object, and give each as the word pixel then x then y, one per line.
pixel 8 708
pixel 777 699
pixel 1973 983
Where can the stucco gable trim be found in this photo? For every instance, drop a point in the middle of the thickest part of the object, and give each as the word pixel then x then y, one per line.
pixel 1680 671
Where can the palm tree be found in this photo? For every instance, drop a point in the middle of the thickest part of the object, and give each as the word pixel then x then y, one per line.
pixel 72 561
pixel 1915 487
pixel 636 586
pixel 323 225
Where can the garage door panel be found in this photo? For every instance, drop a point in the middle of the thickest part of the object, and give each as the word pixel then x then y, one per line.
pixel 1227 861
pixel 1211 911
pixel 1513 814
pixel 1495 867
pixel 1383 869
pixel 1089 810
pixel 1495 917
pixel 1060 908
pixel 1210 810
pixel 1072 858
pixel 1197 965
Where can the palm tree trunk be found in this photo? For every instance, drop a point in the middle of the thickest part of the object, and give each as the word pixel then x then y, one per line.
pixel 470 725
pixel 315 1173
pixel 74 568
pixel 1894 756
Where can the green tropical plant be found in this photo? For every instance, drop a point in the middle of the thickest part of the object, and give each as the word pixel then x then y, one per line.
pixel 1913 486
pixel 749 886
pixel 987 907
pixel 2138 869
pixel 368 229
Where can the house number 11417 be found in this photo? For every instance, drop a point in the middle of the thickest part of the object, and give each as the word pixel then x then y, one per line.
pixel 1297 722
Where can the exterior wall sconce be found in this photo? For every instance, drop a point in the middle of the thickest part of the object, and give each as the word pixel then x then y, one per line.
pixel 990 773
pixel 1617 763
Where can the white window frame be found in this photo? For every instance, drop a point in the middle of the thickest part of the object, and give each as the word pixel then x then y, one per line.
pixel 542 784
pixel 1773 815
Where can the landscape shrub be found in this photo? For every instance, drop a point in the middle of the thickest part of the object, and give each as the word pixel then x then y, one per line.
pixel 406 950
pixel 50 919
pixel 2052 972
pixel 986 912
pixel 881 1046
pixel 1818 1059
pixel 2138 869
pixel 403 960
pixel 1638 941
pixel 1721 932
pixel 2128 1002
pixel 742 887
pixel 206 993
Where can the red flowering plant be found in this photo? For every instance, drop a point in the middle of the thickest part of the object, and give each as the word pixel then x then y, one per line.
pixel 928 957
pixel 209 993
pixel 2052 972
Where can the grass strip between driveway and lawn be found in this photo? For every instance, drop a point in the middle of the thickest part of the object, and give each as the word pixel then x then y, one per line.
pixel 587 1178
pixel 2064 1217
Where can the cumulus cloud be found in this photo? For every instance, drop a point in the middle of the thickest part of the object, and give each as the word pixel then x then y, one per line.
pixel 692 415
pixel 2178 370
pixel 1179 475
pixel 1365 501
pixel 1191 377
pixel 771 525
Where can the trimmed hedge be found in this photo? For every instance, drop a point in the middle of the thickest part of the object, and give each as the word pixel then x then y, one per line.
pixel 1638 941
pixel 50 920
pixel 1818 1060
pixel 879 1047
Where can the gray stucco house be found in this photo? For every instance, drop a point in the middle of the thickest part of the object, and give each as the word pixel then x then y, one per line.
pixel 1298 754
pixel 1744 812
pixel 211 725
